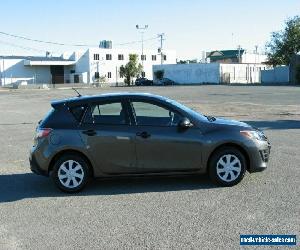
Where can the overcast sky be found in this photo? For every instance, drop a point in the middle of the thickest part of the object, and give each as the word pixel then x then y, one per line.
pixel 190 26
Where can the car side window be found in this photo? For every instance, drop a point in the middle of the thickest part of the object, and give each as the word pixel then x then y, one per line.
pixel 112 113
pixel 148 114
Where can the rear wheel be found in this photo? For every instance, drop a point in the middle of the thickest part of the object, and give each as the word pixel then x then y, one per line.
pixel 70 173
pixel 227 166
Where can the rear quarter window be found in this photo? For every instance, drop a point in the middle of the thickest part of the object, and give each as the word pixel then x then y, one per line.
pixel 78 111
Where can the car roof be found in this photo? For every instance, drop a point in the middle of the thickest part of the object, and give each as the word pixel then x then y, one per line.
pixel 94 98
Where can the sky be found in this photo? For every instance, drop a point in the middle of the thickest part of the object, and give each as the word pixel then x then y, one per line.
pixel 190 26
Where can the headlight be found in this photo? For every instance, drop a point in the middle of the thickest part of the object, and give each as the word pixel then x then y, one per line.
pixel 252 134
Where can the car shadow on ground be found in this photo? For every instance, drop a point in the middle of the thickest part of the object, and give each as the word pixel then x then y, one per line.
pixel 277 124
pixel 16 187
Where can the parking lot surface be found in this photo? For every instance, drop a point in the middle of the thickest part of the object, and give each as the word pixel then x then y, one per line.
pixel 152 213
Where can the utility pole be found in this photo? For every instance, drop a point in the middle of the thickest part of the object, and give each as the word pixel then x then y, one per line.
pixel 142 31
pixel 161 36
pixel 3 71
pixel 239 48
pixel 0 75
pixel 256 53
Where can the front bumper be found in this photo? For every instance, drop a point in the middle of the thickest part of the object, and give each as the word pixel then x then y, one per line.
pixel 259 157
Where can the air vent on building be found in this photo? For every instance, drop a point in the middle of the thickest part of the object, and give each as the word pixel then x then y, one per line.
pixel 105 44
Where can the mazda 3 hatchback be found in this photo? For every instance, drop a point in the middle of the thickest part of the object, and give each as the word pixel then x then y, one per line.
pixel 134 134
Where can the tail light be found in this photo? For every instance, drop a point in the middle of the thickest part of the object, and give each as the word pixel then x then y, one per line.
pixel 42 132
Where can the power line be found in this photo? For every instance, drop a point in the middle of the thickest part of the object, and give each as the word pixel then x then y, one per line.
pixel 67 44
pixel 41 41
pixel 22 47
pixel 139 41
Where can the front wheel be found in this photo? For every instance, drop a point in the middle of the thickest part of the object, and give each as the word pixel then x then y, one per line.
pixel 227 166
pixel 70 173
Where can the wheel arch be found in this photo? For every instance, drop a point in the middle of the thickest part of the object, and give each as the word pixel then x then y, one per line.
pixel 70 151
pixel 234 145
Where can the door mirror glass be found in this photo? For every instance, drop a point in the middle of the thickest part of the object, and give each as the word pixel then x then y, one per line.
pixel 185 123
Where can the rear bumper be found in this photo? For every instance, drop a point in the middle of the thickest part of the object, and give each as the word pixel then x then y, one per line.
pixel 259 157
pixel 34 166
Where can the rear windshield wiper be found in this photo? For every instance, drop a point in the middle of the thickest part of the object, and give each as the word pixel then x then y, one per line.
pixel 210 118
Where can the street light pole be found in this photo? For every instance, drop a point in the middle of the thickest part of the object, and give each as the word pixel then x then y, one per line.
pixel 142 30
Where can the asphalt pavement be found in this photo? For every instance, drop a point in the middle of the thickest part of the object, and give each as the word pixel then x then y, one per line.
pixel 152 213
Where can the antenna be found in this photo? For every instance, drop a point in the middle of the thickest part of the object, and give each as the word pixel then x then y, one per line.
pixel 78 94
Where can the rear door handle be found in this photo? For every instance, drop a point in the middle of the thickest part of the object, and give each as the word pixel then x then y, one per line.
pixel 143 134
pixel 89 132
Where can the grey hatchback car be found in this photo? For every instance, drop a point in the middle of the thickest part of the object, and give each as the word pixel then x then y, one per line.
pixel 134 134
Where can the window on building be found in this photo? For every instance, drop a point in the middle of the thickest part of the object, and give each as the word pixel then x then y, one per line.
pixel 120 57
pixel 96 57
pixel 153 57
pixel 108 57
pixel 143 57
pixel 97 75
pixel 165 57
pixel 108 74
pixel 143 74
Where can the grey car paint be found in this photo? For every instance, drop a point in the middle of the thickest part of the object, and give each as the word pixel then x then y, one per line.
pixel 117 150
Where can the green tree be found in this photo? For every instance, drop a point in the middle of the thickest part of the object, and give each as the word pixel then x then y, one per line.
pixel 131 69
pixel 284 44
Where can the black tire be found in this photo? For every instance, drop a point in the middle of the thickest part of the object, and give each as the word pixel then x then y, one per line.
pixel 234 173
pixel 84 170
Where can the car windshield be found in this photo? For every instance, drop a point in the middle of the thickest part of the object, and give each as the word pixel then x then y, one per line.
pixel 187 109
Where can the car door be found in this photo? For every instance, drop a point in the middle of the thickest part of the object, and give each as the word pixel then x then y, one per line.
pixel 160 144
pixel 107 134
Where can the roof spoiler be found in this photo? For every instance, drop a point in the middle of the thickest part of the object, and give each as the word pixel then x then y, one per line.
pixel 57 104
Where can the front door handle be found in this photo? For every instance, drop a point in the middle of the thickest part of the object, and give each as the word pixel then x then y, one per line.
pixel 89 132
pixel 143 134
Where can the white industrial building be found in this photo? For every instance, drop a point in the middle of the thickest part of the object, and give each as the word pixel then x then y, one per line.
pixel 199 73
pixel 83 66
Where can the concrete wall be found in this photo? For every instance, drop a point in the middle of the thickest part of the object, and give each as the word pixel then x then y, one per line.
pixel 279 74
pixel 195 73
pixel 13 71
pixel 241 73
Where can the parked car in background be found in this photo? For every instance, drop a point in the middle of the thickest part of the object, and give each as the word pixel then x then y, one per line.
pixel 136 134
pixel 164 82
pixel 143 82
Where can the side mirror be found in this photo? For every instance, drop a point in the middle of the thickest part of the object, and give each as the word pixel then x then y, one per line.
pixel 185 123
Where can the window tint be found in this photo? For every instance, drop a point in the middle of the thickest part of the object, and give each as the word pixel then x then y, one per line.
pixel 148 114
pixel 107 114
pixel 78 112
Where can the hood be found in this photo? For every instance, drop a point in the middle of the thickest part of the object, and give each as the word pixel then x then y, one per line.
pixel 222 121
